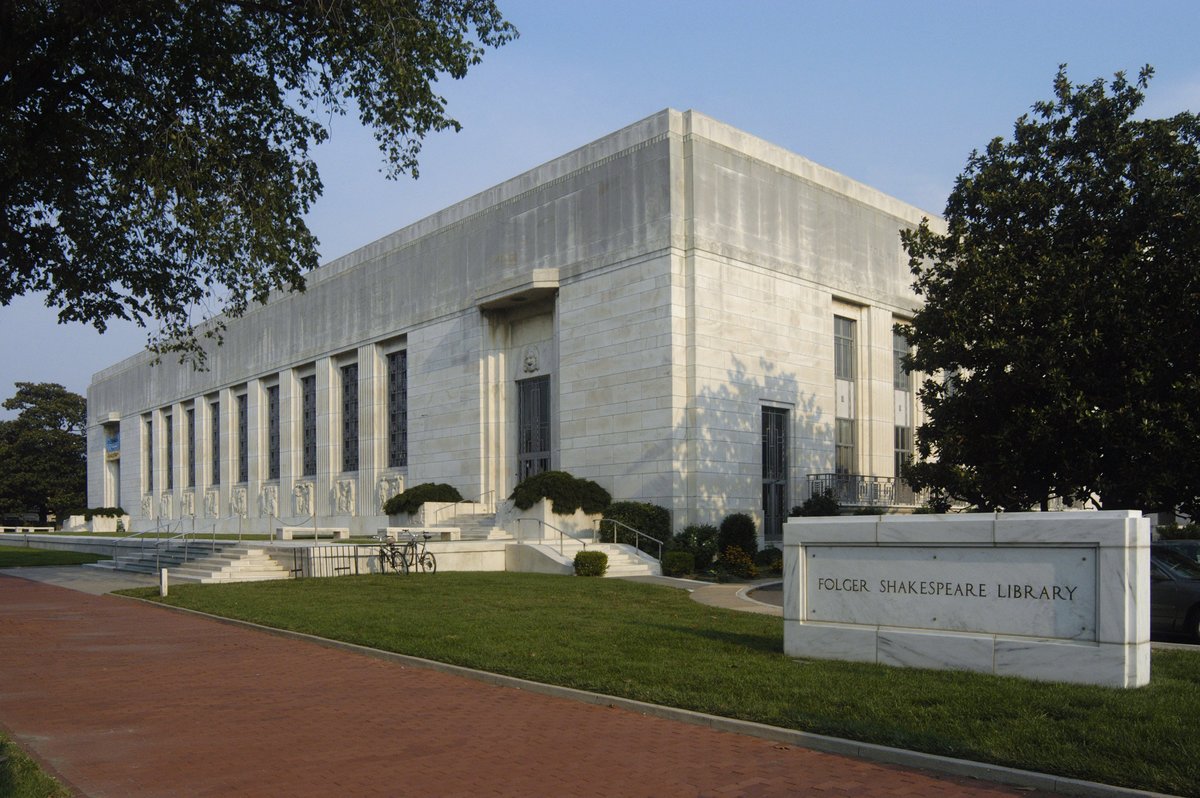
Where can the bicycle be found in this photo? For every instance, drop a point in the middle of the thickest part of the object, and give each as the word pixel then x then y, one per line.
pixel 392 554
pixel 417 556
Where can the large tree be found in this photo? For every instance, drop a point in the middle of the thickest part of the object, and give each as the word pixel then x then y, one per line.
pixel 43 451
pixel 154 156
pixel 1064 303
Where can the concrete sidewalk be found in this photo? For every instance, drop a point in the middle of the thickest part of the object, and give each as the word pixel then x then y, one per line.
pixel 121 698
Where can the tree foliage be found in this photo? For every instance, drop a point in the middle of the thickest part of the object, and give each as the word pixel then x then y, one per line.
pixel 154 157
pixel 43 451
pixel 1064 304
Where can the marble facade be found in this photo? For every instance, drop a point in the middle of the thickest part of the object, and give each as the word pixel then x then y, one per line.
pixel 670 280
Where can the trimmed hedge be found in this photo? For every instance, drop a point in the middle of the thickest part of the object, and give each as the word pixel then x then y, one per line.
pixel 699 540
pixel 410 501
pixel 565 492
pixel 650 519
pixel 591 563
pixel 89 513
pixel 821 504
pixel 738 529
pixel 678 563
pixel 1176 532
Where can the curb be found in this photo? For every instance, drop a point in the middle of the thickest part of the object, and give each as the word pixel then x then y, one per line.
pixel 870 752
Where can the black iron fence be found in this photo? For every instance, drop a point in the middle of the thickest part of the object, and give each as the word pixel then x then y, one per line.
pixel 859 490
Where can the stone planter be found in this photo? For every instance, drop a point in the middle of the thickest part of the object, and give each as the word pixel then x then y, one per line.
pixel 539 522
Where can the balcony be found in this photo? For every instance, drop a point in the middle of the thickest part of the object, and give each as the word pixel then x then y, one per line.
pixel 855 491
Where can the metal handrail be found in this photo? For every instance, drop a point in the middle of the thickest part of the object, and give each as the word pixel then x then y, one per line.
pixel 542 536
pixel 477 500
pixel 639 534
pixel 120 542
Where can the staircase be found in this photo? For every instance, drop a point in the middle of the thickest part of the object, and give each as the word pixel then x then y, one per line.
pixel 623 560
pixel 228 562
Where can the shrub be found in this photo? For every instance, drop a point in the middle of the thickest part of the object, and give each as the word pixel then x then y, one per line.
pixel 678 563
pixel 769 559
pixel 651 519
pixel 821 504
pixel 738 529
pixel 410 501
pixel 1176 532
pixel 735 563
pixel 565 492
pixel 699 540
pixel 591 563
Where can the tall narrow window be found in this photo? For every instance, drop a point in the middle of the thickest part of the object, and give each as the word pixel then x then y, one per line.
pixel 397 409
pixel 774 471
pixel 844 344
pixel 533 426
pixel 243 436
pixel 273 432
pixel 191 447
pixel 214 420
pixel 170 428
pixel 308 401
pixel 350 417
pixel 902 383
pixel 149 455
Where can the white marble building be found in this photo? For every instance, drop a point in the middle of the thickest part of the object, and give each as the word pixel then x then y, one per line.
pixel 682 312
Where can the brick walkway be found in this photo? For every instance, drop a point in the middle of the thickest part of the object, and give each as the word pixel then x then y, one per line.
pixel 124 699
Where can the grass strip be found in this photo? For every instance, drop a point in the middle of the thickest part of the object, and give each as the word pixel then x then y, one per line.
pixel 655 644
pixel 19 557
pixel 21 777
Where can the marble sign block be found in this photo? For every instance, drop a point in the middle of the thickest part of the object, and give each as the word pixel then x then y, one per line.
pixel 1051 596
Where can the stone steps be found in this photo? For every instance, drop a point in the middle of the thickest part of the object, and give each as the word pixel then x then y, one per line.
pixel 230 562
pixel 623 560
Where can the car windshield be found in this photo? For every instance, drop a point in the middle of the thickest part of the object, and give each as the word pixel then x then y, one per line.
pixel 1179 565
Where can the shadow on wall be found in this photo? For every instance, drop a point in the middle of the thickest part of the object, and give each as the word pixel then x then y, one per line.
pixel 722 441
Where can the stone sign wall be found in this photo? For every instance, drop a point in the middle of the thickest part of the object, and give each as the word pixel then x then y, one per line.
pixel 1053 596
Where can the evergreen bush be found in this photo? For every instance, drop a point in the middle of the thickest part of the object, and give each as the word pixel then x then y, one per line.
pixel 650 519
pixel 591 563
pixel 565 492
pixel 738 529
pixel 699 540
pixel 769 559
pixel 410 501
pixel 678 563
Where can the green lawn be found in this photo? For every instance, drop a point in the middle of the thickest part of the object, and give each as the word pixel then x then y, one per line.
pixel 655 644
pixel 18 556
pixel 20 776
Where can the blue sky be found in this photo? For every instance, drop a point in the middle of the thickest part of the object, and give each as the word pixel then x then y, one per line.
pixel 895 95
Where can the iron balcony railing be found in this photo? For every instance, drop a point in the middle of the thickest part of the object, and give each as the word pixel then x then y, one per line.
pixel 859 490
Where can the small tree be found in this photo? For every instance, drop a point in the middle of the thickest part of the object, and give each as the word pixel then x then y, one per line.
pixel 824 503
pixel 738 529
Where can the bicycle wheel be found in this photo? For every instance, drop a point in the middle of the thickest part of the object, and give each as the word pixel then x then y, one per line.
pixel 428 562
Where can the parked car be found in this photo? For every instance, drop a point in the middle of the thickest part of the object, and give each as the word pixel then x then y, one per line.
pixel 1188 548
pixel 1174 592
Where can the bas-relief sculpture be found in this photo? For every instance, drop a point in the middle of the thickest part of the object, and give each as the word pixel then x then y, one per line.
pixel 302 496
pixel 268 500
pixel 389 486
pixel 344 497
pixel 238 501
